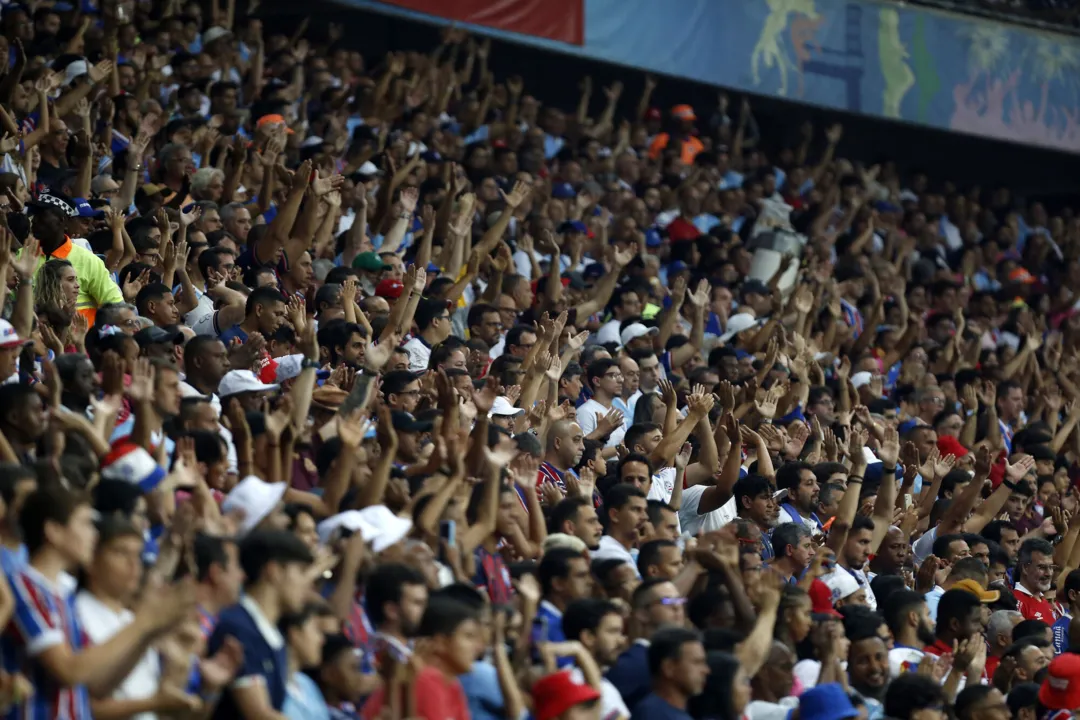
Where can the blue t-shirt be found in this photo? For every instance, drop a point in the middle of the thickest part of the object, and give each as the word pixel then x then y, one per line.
pixel 265 655
pixel 234 332
pixel 630 674
pixel 304 700
pixel 1060 628
pixel 482 690
pixel 656 708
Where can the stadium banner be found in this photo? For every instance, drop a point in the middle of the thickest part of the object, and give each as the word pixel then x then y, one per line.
pixel 558 20
pixel 912 64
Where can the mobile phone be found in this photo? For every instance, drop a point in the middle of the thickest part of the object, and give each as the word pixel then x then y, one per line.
pixel 448 532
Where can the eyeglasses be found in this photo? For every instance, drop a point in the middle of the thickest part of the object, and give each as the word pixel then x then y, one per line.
pixel 613 376
pixel 671 601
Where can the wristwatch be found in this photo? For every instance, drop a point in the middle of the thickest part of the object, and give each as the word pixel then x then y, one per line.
pixel 307 363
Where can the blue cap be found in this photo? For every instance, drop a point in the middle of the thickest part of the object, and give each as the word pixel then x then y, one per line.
pixel 431 156
pixel 796 414
pixel 906 426
pixel 677 266
pixel 827 701
pixel 433 267
pixel 562 191
pixel 84 209
pixel 573 226
pixel 886 206
pixel 593 271
pixel 652 238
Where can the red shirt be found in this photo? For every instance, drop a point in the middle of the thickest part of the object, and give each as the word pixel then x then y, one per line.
pixel 939 648
pixel 1033 607
pixel 438 697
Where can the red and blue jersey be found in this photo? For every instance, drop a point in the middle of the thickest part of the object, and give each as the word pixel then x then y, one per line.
pixel 44 618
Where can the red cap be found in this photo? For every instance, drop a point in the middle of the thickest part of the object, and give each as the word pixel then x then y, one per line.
pixel 821 599
pixel 555 694
pixel 1061 688
pixel 652 114
pixel 948 445
pixel 389 288
pixel 683 112
pixel 681 229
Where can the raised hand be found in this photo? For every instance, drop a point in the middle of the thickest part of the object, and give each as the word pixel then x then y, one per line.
pixel 606 423
pixel 1016 471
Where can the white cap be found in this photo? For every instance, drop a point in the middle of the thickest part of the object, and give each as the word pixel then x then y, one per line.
pixel 368 168
pixel 861 378
pixel 841 583
pixel 75 69
pixel 288 367
pixel 8 336
pixel 238 381
pixel 736 324
pixel 376 524
pixel 503 406
pixel 311 141
pixel 255 499
pixel 636 330
pixel 214 33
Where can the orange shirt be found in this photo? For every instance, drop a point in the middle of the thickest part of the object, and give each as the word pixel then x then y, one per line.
pixel 690 147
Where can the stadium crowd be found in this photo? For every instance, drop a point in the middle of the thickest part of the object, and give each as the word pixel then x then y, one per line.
pixel 354 387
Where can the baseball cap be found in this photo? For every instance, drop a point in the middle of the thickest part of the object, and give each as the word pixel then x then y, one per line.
pixel 826 701
pixel 821 599
pixel 215 33
pixel 841 584
pixel 683 112
pixel 368 261
pixel 636 330
pixel 503 406
pixel 973 587
pixel 573 226
pixel 150 189
pixel 239 381
pixel 861 378
pixel 680 230
pixel 406 422
pixel 376 524
pixel 948 445
pixel 153 335
pixel 129 462
pixel 367 171
pixel 75 69
pixel 562 191
pixel 254 499
pixel 556 693
pixel 736 324
pixel 1061 688
pixel 273 119
pixel 85 210
pixel 389 288
pixel 8 336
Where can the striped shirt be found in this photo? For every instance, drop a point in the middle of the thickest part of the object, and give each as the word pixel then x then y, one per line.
pixel 45 618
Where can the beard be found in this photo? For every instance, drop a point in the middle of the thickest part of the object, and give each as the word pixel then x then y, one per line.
pixel 926 634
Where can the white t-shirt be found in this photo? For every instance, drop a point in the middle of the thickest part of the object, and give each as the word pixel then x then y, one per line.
pixel 419 354
pixel 761 710
pixel 610 548
pixel 903 660
pixel 586 418
pixel 785 517
pixel 202 315
pixel 693 523
pixel 101 623
pixel 611 702
pixel 663 485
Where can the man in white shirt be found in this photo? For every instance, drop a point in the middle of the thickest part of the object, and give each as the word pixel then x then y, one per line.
pixel 433 320
pixel 598 625
pixel 625 303
pixel 625 513
pixel 595 416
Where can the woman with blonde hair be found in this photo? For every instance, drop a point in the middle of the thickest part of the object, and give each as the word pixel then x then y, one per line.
pixel 56 292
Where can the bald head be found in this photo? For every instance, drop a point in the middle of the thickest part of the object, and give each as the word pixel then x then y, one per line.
pixel 565 444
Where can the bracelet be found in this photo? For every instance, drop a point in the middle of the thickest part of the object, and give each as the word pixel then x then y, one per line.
pixel 888 471
pixel 1009 484
pixel 405 216
pixel 307 363
pixel 855 478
